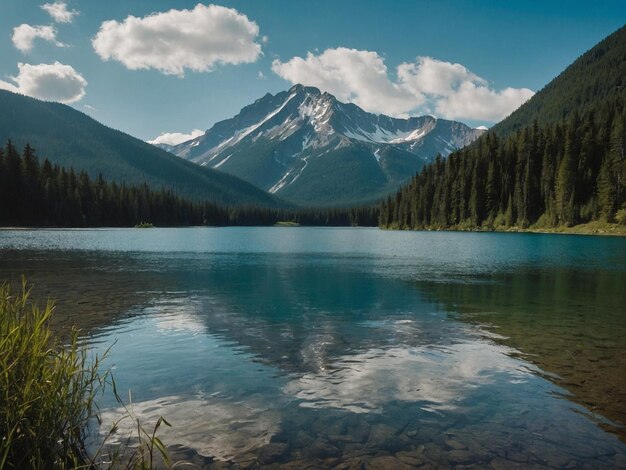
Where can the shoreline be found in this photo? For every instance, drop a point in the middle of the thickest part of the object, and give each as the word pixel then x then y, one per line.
pixel 589 229
pixel 618 231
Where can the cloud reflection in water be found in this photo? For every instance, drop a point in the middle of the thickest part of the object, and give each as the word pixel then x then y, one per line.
pixel 439 376
pixel 209 425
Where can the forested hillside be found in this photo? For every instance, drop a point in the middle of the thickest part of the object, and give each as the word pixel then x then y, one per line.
pixel 40 195
pixel 595 79
pixel 544 176
pixel 72 139
pixel 565 167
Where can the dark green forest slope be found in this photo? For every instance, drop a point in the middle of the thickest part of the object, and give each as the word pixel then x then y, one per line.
pixel 72 139
pixel 596 79
pixel 557 161
pixel 35 194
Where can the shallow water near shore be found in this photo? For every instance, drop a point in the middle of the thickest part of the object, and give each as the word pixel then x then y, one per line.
pixel 351 348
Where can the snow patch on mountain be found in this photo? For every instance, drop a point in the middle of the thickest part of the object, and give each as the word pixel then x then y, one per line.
pixel 292 128
pixel 223 161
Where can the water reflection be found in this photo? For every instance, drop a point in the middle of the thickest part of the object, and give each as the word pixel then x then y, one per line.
pixel 440 378
pixel 571 324
pixel 209 425
pixel 414 391
pixel 422 353
pixel 90 289
pixel 221 403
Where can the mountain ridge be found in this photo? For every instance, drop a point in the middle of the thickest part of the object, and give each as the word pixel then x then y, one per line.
pixel 280 141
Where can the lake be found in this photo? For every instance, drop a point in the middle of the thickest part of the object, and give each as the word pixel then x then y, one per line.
pixel 351 347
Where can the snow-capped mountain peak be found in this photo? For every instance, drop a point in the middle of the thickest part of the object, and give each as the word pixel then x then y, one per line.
pixel 277 141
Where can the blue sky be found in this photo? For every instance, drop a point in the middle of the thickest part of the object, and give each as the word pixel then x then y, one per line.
pixel 473 61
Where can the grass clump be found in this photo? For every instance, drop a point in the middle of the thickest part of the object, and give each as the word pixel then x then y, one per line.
pixel 47 389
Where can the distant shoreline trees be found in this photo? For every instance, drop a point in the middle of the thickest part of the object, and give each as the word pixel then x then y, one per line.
pixel 44 195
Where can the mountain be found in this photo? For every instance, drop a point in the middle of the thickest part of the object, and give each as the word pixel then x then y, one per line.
pixel 595 79
pixel 167 147
pixel 558 161
pixel 309 148
pixel 72 139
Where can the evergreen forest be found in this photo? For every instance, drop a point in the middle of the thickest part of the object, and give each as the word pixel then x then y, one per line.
pixel 44 195
pixel 564 174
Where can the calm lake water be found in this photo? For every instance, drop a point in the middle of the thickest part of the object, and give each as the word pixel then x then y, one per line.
pixel 355 348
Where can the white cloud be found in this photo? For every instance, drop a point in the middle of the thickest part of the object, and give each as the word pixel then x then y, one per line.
pixel 176 40
pixel 24 36
pixel 470 101
pixel 359 77
pixel 175 138
pixel 59 12
pixel 434 77
pixel 52 82
pixel 427 85
pixel 457 93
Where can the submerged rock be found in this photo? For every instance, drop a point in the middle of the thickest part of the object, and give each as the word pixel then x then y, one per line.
pixel 302 439
pixel 434 453
pixel 386 463
pixel 414 458
pixel 454 444
pixel 461 457
pixel 357 463
pixel 273 452
pixel 499 463
pixel 382 436
pixel 322 450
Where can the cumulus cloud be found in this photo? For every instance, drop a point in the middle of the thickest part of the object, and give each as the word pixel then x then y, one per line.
pixel 24 36
pixel 359 77
pixel 435 77
pixel 52 82
pixel 471 101
pixel 175 138
pixel 59 12
pixel 426 85
pixel 456 93
pixel 176 40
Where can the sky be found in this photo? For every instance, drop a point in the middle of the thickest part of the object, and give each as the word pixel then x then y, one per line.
pixel 168 70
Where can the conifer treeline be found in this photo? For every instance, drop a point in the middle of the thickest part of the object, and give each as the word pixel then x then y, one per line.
pixel 34 194
pixel 555 175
